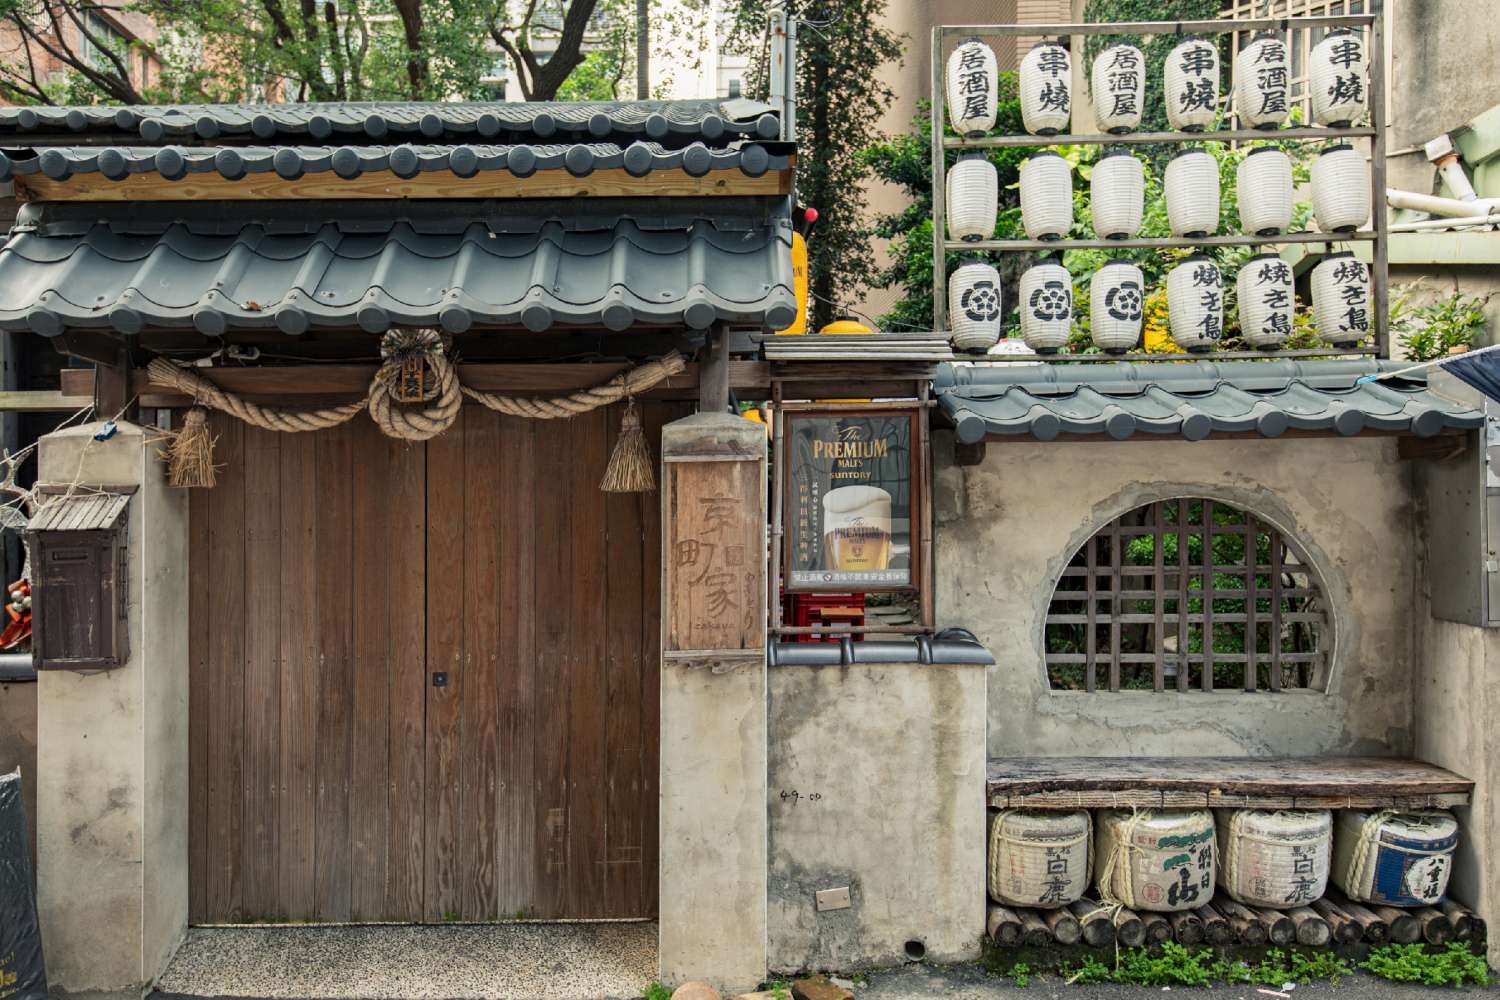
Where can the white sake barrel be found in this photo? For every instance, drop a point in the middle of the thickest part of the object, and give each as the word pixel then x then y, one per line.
pixel 1394 858
pixel 1274 858
pixel 1039 859
pixel 1150 859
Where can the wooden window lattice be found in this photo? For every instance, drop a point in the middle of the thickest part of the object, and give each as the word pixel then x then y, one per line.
pixel 1188 594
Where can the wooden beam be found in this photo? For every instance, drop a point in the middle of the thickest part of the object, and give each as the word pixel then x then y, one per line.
pixel 1220 436
pixel 612 183
pixel 41 400
pixel 713 373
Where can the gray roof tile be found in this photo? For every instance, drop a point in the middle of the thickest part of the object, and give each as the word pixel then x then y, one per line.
pixel 1192 399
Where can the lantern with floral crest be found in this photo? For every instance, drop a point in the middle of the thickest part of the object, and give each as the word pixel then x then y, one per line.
pixel 1190 81
pixel 1341 299
pixel 1263 189
pixel 1195 303
pixel 973 198
pixel 1336 78
pixel 1261 82
pixel 1267 301
pixel 1117 194
pixel 973 82
pixel 1117 298
pixel 1046 307
pixel 1044 81
pixel 1119 84
pixel 1191 187
pixel 1046 196
pixel 974 304
pixel 1340 189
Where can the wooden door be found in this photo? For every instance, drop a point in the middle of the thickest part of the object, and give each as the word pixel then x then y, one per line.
pixel 424 678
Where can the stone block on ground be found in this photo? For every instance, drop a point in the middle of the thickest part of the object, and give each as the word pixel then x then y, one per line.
pixel 695 990
pixel 819 988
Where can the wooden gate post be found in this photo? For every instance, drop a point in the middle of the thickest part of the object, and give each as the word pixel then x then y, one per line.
pixel 713 702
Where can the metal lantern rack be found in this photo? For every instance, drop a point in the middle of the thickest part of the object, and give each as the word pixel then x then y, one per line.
pixel 1375 131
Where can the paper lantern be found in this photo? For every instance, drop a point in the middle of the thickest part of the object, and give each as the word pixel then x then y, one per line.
pixel 1264 289
pixel 1261 84
pixel 1340 189
pixel 1341 299
pixel 973 79
pixel 1117 196
pixel 974 306
pixel 1117 298
pixel 1195 304
pixel 1046 74
pixel 1119 82
pixel 1192 190
pixel 1046 196
pixel 1191 84
pixel 973 197
pixel 1263 186
pixel 1336 78
pixel 1046 307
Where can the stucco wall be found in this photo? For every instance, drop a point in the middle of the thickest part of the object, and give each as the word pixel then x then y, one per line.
pixel 1007 527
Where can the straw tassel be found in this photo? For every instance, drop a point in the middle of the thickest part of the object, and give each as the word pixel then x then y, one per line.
pixel 190 452
pixel 630 467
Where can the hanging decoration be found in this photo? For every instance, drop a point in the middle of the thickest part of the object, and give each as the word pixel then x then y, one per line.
pixel 1046 196
pixel 973 79
pixel 1263 188
pixel 1117 195
pixel 973 198
pixel 1341 299
pixel 1264 290
pixel 1046 74
pixel 1116 303
pixel 1336 78
pixel 1046 307
pixel 1119 84
pixel 1192 190
pixel 190 452
pixel 974 290
pixel 1195 304
pixel 1340 189
pixel 1191 83
pixel 1261 83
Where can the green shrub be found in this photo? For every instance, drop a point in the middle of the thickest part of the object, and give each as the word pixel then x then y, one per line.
pixel 1412 963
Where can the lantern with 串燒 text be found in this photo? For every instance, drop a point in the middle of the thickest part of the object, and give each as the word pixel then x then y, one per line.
pixel 972 84
pixel 1336 78
pixel 1045 78
pixel 1191 83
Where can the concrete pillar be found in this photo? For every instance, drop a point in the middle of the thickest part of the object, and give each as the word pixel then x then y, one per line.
pixel 112 812
pixel 713 703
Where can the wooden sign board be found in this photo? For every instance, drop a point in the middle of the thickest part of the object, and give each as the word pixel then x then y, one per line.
pixel 714 591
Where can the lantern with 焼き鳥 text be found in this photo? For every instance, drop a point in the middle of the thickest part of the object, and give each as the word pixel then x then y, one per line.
pixel 1119 82
pixel 1117 299
pixel 1195 304
pixel 1263 190
pixel 1046 307
pixel 1046 196
pixel 974 304
pixel 1117 195
pixel 973 198
pixel 1336 78
pixel 1191 187
pixel 1261 83
pixel 1046 74
pixel 972 84
pixel 1267 300
pixel 1340 189
pixel 1190 81
pixel 1341 299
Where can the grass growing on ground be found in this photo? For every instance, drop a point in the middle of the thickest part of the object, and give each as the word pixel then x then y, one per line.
pixel 1411 963
pixel 656 991
pixel 1175 965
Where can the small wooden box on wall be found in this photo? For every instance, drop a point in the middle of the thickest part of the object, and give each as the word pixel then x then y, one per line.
pixel 80 568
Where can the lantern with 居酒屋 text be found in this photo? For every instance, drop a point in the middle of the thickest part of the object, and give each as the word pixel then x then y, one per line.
pixel 1191 187
pixel 1046 307
pixel 1341 299
pixel 1195 304
pixel 1190 81
pixel 1119 84
pixel 1044 81
pixel 1263 190
pixel 973 198
pixel 1117 298
pixel 1336 78
pixel 1261 87
pixel 1267 301
pixel 974 306
pixel 1340 189
pixel 1046 196
pixel 1117 193
pixel 973 81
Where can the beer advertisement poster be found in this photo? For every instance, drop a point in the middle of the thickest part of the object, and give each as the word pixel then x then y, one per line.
pixel 849 502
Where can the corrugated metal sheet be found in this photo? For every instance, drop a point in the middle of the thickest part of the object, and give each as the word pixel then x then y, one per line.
pixel 1192 399
pixel 217 267
pixel 86 510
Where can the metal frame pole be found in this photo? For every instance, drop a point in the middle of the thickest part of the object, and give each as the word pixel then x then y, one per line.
pixel 1380 279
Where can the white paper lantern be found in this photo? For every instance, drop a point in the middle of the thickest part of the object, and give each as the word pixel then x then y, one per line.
pixel 1117 299
pixel 1341 299
pixel 1267 300
pixel 973 80
pixel 1192 189
pixel 1261 82
pixel 1119 83
pixel 1340 189
pixel 1190 82
pixel 973 198
pixel 1263 187
pixel 974 306
pixel 1045 78
pixel 1336 78
pixel 1046 196
pixel 1195 304
pixel 1046 307
pixel 1117 196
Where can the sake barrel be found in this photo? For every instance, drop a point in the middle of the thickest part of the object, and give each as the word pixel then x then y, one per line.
pixel 1336 78
pixel 1261 83
pixel 1394 858
pixel 1043 84
pixel 1039 859
pixel 1190 81
pixel 1046 196
pixel 1274 858
pixel 1119 85
pixel 1151 859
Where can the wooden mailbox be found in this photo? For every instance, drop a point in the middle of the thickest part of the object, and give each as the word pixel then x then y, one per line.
pixel 79 571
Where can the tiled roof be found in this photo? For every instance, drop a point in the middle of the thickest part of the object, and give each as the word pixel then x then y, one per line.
pixel 1192 399
pixel 233 162
pixel 672 122
pixel 217 267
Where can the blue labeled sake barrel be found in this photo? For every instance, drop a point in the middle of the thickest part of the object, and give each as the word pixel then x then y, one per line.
pixel 1394 858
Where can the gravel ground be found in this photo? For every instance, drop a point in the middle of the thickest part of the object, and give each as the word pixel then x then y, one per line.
pixel 452 962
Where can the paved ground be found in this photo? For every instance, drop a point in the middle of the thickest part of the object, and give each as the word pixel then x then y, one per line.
pixel 453 962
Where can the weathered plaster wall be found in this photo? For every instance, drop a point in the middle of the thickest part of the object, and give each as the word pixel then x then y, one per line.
pixel 1007 527
pixel 876 782
pixel 18 744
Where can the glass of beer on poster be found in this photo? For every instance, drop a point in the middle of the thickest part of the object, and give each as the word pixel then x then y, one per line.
pixel 850 499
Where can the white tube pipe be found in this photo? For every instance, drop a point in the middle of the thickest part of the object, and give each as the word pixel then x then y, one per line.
pixel 1445 223
pixel 1433 205
pixel 1452 170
